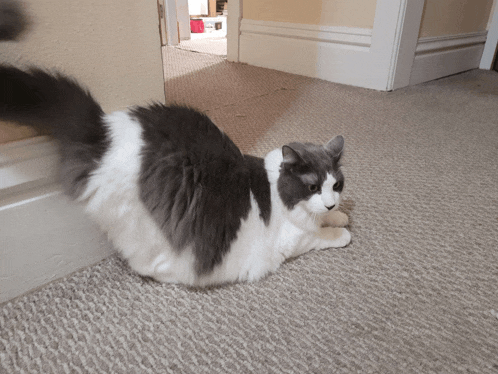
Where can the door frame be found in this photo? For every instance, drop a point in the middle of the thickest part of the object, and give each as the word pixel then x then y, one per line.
pixel 491 46
pixel 233 29
pixel 171 17
pixel 394 41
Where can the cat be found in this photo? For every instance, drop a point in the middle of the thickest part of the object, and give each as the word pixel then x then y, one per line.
pixel 175 195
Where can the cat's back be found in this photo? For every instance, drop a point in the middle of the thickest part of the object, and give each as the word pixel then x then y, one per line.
pixel 185 131
pixel 173 184
pixel 194 181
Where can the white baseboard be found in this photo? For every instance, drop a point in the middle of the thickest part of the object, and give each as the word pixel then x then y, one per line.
pixel 336 54
pixel 437 57
pixel 43 235
pixel 332 34
pixel 28 163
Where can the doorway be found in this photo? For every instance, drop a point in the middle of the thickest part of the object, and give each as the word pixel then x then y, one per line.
pixel 202 26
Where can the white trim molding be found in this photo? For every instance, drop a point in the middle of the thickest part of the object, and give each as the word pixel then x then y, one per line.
pixel 171 18
pixel 233 29
pixel 29 163
pixel 488 55
pixel 439 43
pixel 331 34
pixel 437 57
pixel 43 234
pixel 396 29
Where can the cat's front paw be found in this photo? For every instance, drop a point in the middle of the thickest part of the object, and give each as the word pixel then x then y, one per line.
pixel 335 237
pixel 335 219
pixel 345 238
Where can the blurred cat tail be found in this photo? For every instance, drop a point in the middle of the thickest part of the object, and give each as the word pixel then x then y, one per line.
pixel 49 101
pixel 13 20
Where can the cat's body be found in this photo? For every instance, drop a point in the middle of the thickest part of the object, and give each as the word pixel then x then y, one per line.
pixel 177 198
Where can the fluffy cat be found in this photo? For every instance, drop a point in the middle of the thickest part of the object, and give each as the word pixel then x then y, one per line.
pixel 175 195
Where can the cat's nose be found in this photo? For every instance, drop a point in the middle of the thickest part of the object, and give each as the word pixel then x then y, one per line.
pixel 330 207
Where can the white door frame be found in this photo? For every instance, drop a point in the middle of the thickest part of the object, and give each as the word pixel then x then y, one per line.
pixel 171 18
pixel 488 56
pixel 233 29
pixel 394 40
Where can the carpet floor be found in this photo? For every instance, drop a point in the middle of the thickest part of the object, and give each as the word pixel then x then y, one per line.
pixel 415 292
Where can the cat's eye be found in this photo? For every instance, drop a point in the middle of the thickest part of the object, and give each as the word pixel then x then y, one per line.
pixel 338 186
pixel 313 187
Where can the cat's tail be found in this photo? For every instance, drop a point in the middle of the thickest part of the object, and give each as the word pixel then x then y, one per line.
pixel 59 104
pixel 51 102
pixel 13 20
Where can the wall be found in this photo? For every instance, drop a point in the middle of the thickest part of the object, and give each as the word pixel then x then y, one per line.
pixel 351 13
pixel 112 47
pixel 450 17
pixel 198 7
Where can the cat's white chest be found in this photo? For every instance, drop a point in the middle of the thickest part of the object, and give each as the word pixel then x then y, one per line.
pixel 252 255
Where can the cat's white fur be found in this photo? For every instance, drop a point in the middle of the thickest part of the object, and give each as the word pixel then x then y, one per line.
pixel 112 199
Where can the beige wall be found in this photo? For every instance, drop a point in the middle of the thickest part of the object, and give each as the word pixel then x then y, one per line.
pixel 449 17
pixel 352 13
pixel 112 47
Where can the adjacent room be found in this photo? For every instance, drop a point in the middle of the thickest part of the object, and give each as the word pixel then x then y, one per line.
pixel 205 29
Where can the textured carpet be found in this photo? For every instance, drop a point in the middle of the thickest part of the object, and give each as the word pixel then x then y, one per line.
pixel 415 292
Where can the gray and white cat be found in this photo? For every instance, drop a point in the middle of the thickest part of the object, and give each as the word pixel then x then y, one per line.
pixel 178 199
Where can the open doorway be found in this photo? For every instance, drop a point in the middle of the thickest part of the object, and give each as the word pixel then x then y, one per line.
pixel 202 26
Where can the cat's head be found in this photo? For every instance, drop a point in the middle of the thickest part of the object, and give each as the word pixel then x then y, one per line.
pixel 310 176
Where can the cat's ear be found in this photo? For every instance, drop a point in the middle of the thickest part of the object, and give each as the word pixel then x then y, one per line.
pixel 290 156
pixel 335 146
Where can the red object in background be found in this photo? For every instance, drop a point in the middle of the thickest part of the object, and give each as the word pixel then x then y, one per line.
pixel 197 25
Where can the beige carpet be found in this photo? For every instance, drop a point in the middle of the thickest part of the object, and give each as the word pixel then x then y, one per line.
pixel 415 292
